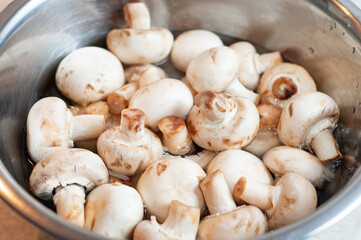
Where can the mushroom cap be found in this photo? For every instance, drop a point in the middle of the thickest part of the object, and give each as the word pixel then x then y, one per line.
pixel 283 82
pixel 311 113
pixel 133 73
pixel 297 198
pixel 89 74
pixel 137 46
pixel 213 69
pixel 234 131
pixel 171 179
pixel 240 223
pixel 113 210
pixel 49 127
pixel 165 97
pixel 236 163
pixel 283 159
pixel 67 166
pixel 190 44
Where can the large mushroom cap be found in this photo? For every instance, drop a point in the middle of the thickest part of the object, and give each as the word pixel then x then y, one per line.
pixel 89 74
pixel 171 179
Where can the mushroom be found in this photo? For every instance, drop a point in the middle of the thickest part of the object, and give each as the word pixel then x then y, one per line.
pixel 133 73
pixel 290 200
pixel 253 64
pixel 113 210
pixel 175 135
pixel 119 99
pixel 283 159
pixel 69 173
pixel 98 108
pixel 165 97
pixel 171 179
pixel 315 114
pixel 266 137
pixel 227 221
pixel 213 69
pixel 140 45
pixel 181 224
pixel 236 89
pixel 50 126
pixel 236 163
pixel 218 121
pixel 129 148
pixel 283 82
pixel 89 74
pixel 190 44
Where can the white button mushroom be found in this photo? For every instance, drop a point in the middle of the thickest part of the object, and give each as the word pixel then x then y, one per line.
pixel 213 70
pixel 181 224
pixel 227 221
pixel 236 89
pixel 190 44
pixel 139 45
pixel 133 73
pixel 219 121
pixel 129 148
pixel 307 122
pixel 89 74
pixel 253 64
pixel 165 97
pixel 292 199
pixel 283 82
pixel 50 126
pixel 119 99
pixel 68 172
pixel 171 179
pixel 266 137
pixel 113 210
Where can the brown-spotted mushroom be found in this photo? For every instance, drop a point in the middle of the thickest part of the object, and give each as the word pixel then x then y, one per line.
pixel 68 173
pixel 291 199
pixel 89 74
pixel 113 210
pixel 171 179
pixel 51 125
pixel 218 121
pixel 283 82
pixel 226 220
pixel 119 99
pixel 181 224
pixel 131 147
pixel 252 64
pixel 140 45
pixel 308 121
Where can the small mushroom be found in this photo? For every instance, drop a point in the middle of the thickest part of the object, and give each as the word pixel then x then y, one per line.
pixel 266 137
pixel 283 159
pixel 175 135
pixel 218 121
pixel 69 173
pixel 89 74
pixel 119 99
pixel 139 45
pixel 190 44
pixel 113 210
pixel 133 73
pixel 253 64
pixel 148 76
pixel 315 114
pixel 227 221
pixel 50 126
pixel 181 224
pixel 165 97
pixel 171 179
pixel 292 199
pixel 213 69
pixel 129 148
pixel 283 82
pixel 236 89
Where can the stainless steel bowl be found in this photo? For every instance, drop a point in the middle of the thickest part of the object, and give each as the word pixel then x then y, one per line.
pixel 323 36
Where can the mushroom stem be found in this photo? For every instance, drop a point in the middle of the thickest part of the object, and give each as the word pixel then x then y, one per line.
pixel 175 135
pixel 268 60
pixel 132 124
pixel 216 193
pixel 136 15
pixel 148 76
pixel 119 99
pixel 236 88
pixel 69 202
pixel 216 108
pixel 325 147
pixel 87 126
pixel 255 193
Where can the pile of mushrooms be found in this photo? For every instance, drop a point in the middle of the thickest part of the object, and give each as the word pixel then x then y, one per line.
pixel 226 152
